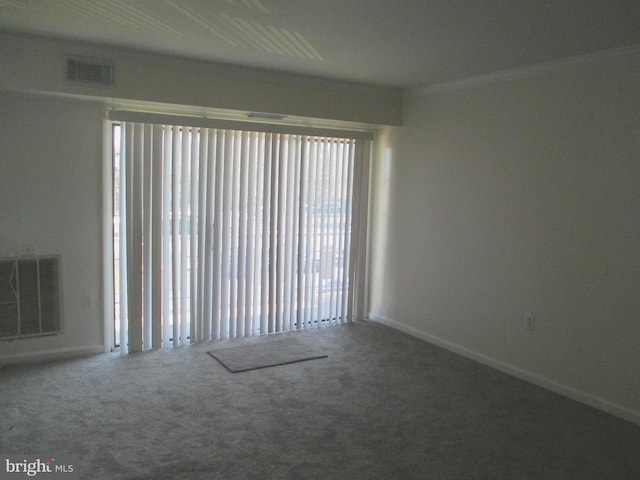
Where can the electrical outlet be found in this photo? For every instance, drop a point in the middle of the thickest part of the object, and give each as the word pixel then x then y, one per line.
pixel 530 322
pixel 27 250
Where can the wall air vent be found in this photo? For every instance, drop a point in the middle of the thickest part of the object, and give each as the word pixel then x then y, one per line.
pixel 29 297
pixel 90 71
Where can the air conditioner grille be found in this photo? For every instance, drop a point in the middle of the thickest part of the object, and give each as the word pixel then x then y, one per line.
pixel 89 72
pixel 29 297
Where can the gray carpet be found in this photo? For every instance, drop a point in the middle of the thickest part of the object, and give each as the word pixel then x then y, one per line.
pixel 383 405
pixel 243 358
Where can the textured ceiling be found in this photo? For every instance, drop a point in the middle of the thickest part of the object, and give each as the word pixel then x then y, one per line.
pixel 400 43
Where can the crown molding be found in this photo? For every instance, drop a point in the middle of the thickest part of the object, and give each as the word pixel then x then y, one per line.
pixel 571 63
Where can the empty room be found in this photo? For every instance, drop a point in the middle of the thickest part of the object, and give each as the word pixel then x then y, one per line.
pixel 365 239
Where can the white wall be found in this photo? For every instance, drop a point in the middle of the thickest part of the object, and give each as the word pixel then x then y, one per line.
pixel 513 198
pixel 38 65
pixel 50 184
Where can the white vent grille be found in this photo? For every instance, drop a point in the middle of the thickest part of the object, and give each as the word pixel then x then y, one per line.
pixel 89 71
pixel 29 297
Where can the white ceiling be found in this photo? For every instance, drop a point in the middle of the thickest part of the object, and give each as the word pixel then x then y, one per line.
pixel 398 43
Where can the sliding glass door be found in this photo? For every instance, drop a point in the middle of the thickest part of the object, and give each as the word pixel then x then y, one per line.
pixel 226 232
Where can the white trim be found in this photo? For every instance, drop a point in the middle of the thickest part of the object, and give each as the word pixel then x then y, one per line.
pixel 58 353
pixel 582 61
pixel 107 237
pixel 526 375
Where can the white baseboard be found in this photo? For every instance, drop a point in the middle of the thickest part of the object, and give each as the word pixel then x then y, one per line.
pixel 528 376
pixel 58 353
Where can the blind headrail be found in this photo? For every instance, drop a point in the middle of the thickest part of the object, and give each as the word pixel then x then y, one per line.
pixel 206 122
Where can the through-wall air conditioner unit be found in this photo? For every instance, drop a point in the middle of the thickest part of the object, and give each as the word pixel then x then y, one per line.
pixel 89 71
pixel 29 297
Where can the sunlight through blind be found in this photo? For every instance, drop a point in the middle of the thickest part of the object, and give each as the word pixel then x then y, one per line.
pixel 229 233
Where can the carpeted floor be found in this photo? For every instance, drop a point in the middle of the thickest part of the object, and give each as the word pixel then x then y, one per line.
pixel 383 405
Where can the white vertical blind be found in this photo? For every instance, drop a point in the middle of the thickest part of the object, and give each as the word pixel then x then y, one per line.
pixel 231 233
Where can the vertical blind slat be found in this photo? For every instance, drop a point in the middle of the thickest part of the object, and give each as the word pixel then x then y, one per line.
pixel 208 228
pixel 166 235
pixel 250 310
pixel 265 287
pixel 194 234
pixel 262 241
pixel 234 253
pixel 243 220
pixel 183 234
pixel 122 272
pixel 175 235
pixel 134 231
pixel 156 238
pixel 147 178
pixel 301 252
pixel 218 228
pixel 347 304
